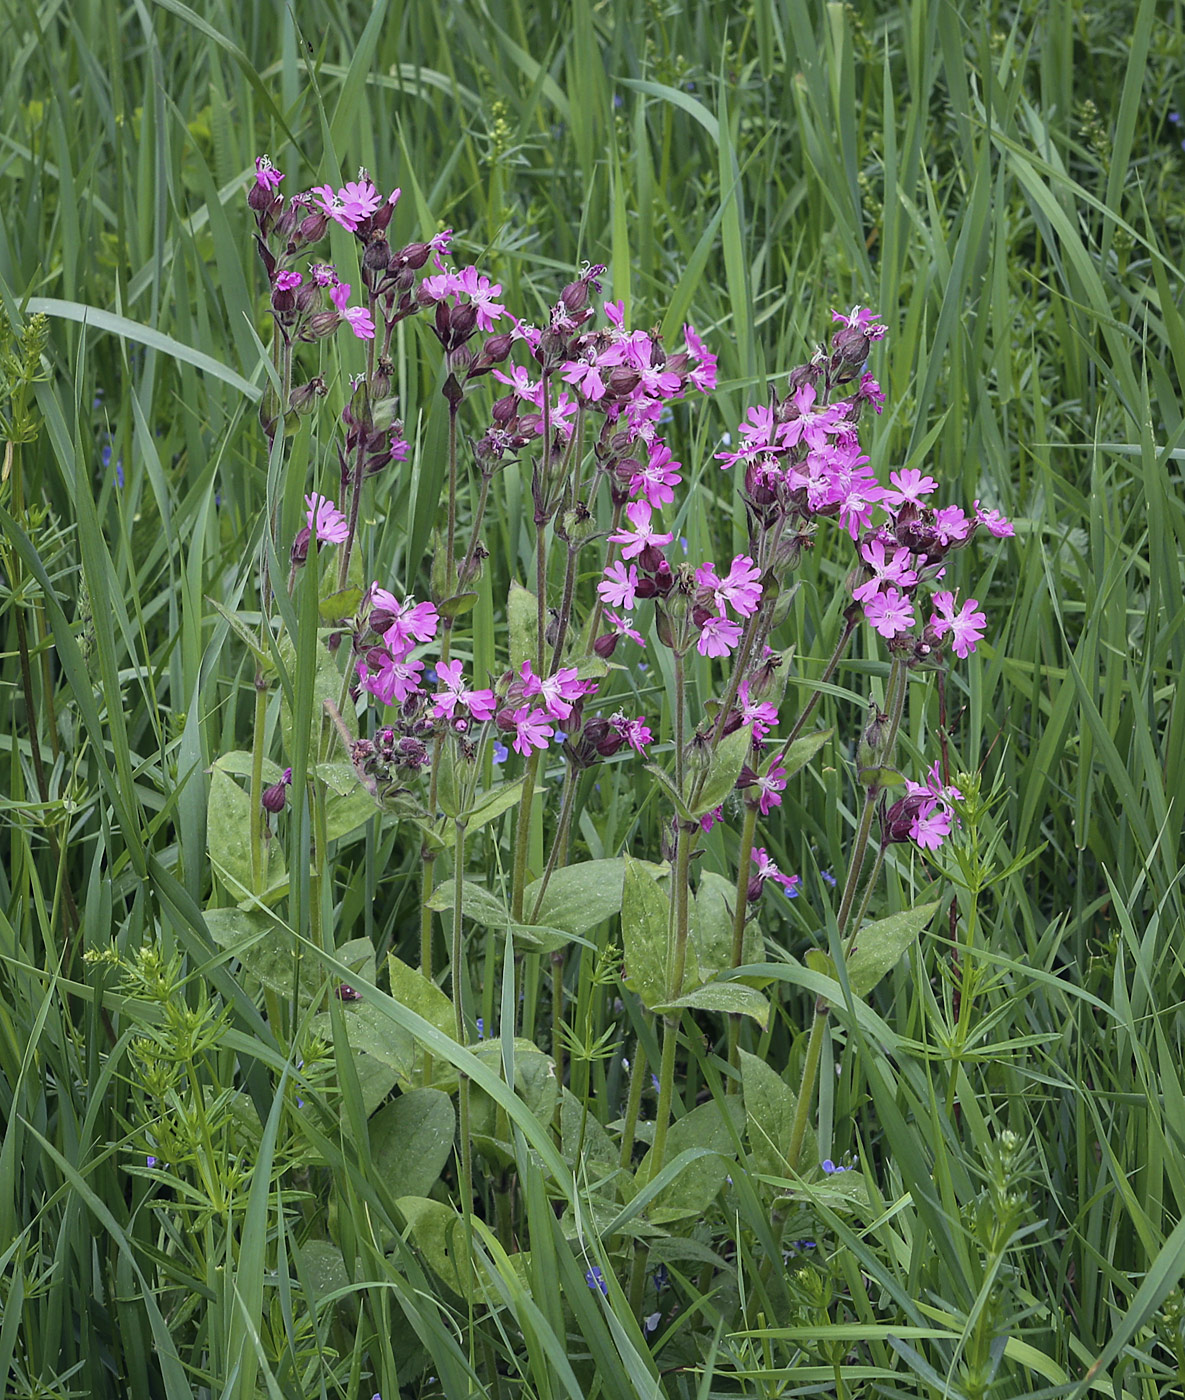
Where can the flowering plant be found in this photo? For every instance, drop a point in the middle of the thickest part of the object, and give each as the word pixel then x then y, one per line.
pixel 388 715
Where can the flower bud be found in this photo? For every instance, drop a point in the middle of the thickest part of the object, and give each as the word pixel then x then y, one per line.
pixel 300 546
pixel 378 252
pixel 606 645
pixel 875 748
pixel 415 255
pixel 274 798
pixel 312 227
pixel 305 396
pixel 320 325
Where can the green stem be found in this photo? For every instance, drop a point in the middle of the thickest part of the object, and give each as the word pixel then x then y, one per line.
pixel 567 802
pixel 452 498
pixel 458 953
pixel 666 1090
pixel 744 861
pixel 522 837
pixel 633 1105
pixel 828 671
pixel 810 1072
pixel 257 743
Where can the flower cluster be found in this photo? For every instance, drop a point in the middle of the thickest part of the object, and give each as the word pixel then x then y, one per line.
pixel 925 814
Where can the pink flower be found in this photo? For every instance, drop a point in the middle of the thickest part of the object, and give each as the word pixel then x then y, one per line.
pixel 288 281
pixel 764 869
pixel 393 681
pixel 326 521
pixel 966 627
pixel 885 569
pixel 934 787
pixel 812 426
pixel 952 525
pixel 619 587
pixel 860 318
pixel 622 628
pixel 559 692
pixel 633 542
pixel 585 378
pixel 996 523
pixel 913 486
pixel 890 612
pixel 531 730
pixel 658 476
pixel 324 274
pixel 931 826
pixel 481 293
pixel 770 786
pixel 359 200
pixel 478 703
pixel 718 637
pixel 635 732
pixel 703 376
pixel 615 313
pixel 709 819
pixel 740 588
pixel 357 317
pixel 760 714
pixel 267 177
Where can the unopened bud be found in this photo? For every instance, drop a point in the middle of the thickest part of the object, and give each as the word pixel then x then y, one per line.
pixel 300 546
pixel 305 396
pixel 320 325
pixel 377 254
pixel 875 743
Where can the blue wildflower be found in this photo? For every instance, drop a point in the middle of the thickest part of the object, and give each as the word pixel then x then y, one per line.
pixel 501 752
pixel 596 1279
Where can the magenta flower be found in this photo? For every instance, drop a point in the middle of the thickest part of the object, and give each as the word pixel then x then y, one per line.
pixel 619 587
pixel 860 318
pixel 952 525
pixel 585 378
pixel 760 714
pixel 615 313
pixel 393 681
pixel 358 318
pixel 885 569
pixel 966 627
pixel 641 537
pixel 267 177
pixel 655 480
pixel 740 588
pixel 622 628
pixel 350 205
pixel 814 426
pixel 531 729
pixel 288 281
pixel 996 523
pixel 703 376
pixel 635 732
pixel 890 612
pixel 325 520
pixel 718 637
pixel 764 869
pixel 453 693
pixel 559 692
pixel 931 826
pixel 324 274
pixel 770 787
pixel 912 486
pixel 481 293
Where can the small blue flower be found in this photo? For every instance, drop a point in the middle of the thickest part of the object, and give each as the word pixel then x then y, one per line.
pixel 596 1279
pixel 150 1161
pixel 119 472
pixel 481 1029
pixel 661 1278
pixel 105 454
pixel 651 1323
pixel 828 878
pixel 501 752
pixel 830 1168
pixel 559 737
pixel 654 1081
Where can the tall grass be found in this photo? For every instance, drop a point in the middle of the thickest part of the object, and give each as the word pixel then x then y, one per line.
pixel 1005 185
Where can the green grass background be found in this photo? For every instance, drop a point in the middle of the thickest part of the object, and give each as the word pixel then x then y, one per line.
pixel 1005 184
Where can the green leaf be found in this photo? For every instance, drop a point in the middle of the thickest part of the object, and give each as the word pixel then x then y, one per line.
pixel 699 1183
pixel 457 605
pixel 523 619
pixel 268 951
pixel 711 925
pixel 879 946
pixel 239 764
pixel 725 768
pixel 645 918
pixel 490 805
pixel 489 911
pixel 374 1036
pixel 447 798
pixel 327 685
pixel 411 1139
pixel 348 812
pixel 732 997
pixel 802 750
pixel 438 1232
pixel 228 840
pixel 341 602
pixel 667 783
pixel 578 897
pixel 534 1083
pixel 247 635
pixel 770 1105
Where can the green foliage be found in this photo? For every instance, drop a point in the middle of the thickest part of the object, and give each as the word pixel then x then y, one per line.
pixel 1005 186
